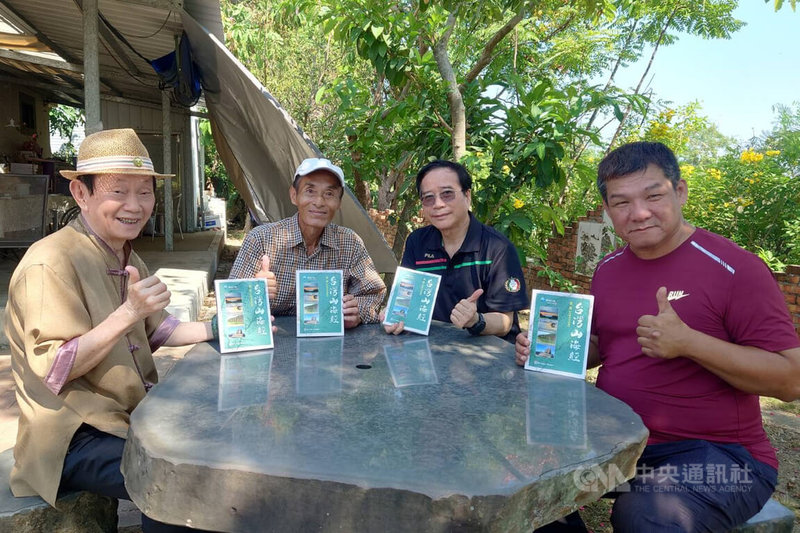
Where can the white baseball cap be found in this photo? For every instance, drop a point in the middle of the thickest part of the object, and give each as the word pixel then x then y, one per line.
pixel 312 164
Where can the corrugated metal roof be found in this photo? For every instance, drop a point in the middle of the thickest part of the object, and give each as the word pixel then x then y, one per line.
pixel 131 33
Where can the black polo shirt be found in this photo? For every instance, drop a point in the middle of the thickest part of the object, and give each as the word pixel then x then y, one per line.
pixel 486 260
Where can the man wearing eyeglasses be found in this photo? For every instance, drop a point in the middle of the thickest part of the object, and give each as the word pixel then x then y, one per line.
pixel 482 285
pixel 309 241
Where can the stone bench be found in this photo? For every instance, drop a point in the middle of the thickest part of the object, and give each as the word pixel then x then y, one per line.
pixel 772 518
pixel 79 512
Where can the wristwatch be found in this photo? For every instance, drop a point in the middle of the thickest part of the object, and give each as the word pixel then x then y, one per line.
pixel 477 327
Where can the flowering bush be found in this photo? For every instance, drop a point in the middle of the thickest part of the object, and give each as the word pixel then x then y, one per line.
pixel 749 198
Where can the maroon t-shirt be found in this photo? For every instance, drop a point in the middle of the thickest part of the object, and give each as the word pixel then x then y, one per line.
pixel 715 287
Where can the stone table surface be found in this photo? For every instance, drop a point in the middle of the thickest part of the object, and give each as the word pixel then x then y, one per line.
pixel 373 432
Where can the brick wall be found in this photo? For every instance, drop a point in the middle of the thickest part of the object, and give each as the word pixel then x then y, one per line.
pixel 789 282
pixel 561 258
pixel 381 219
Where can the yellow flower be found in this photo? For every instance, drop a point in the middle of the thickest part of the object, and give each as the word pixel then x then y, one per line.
pixel 772 153
pixel 687 170
pixel 506 170
pixel 714 173
pixel 749 156
pixel 518 204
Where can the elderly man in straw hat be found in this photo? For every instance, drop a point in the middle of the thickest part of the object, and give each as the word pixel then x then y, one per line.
pixel 82 319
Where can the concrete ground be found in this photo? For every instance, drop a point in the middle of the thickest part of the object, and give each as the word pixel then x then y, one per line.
pixel 188 271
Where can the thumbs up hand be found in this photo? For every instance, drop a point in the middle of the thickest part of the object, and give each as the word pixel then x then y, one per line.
pixel 269 275
pixel 465 313
pixel 662 335
pixel 145 296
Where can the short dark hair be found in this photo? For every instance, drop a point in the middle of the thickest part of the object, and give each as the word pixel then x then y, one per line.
pixel 464 179
pixel 88 180
pixel 636 157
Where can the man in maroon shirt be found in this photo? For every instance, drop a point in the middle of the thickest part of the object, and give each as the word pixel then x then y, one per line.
pixel 689 329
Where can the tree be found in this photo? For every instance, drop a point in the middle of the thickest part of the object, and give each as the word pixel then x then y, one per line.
pixel 653 20
pixel 497 84
pixel 63 120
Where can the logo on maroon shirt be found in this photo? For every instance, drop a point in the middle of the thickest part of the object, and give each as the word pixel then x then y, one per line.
pixel 676 295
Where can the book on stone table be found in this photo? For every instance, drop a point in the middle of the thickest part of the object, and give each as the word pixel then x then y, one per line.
pixel 243 316
pixel 560 324
pixel 319 303
pixel 412 299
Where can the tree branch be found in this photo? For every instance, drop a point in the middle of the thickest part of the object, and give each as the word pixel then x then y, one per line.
pixel 644 75
pixel 443 122
pixel 488 50
pixel 454 99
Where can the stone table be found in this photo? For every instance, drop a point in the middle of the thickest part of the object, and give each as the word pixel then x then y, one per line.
pixel 372 432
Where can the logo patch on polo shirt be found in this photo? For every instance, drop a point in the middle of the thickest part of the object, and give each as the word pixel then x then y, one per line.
pixel 513 285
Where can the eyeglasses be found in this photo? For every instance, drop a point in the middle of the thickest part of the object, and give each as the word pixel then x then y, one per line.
pixel 447 196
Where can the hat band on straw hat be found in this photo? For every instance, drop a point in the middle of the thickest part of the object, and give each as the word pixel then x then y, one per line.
pixel 98 164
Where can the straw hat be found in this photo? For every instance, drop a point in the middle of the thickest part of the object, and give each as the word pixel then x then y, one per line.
pixel 113 152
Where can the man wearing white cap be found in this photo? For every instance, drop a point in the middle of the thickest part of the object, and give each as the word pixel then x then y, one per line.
pixel 309 241
pixel 83 318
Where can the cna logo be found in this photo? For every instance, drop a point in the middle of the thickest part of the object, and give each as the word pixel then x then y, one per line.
pixel 599 478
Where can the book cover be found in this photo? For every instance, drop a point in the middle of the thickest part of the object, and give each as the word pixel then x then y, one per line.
pixel 243 315
pixel 559 329
pixel 319 303
pixel 412 299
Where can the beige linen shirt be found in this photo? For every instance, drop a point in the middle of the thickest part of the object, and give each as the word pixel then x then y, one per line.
pixel 65 285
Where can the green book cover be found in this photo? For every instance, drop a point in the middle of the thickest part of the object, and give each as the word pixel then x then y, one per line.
pixel 243 315
pixel 560 325
pixel 412 299
pixel 319 303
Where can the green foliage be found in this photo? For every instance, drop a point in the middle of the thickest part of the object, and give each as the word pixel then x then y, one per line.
pixel 63 120
pixel 216 175
pixel 748 198
pixel 361 78
pixel 520 164
pixel 688 133
pixel 750 195
pixel 779 4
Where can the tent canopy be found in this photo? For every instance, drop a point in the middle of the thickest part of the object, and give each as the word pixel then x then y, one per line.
pixel 261 145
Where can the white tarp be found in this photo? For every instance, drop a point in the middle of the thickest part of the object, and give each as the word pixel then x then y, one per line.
pixel 261 145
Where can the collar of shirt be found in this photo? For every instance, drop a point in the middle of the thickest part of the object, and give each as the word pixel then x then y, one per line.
pixel 82 226
pixel 472 240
